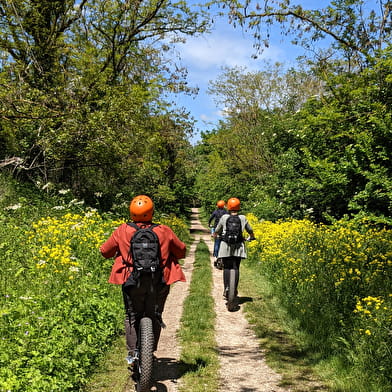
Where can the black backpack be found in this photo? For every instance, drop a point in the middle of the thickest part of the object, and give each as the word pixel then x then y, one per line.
pixel 145 249
pixel 233 234
pixel 218 215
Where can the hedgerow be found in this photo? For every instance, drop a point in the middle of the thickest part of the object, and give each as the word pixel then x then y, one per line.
pixel 336 281
pixel 58 313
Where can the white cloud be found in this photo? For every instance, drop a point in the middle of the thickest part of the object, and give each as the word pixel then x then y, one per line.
pixel 205 117
pixel 219 50
pixel 204 56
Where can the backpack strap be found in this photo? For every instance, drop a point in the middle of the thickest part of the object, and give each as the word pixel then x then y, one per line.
pixel 135 226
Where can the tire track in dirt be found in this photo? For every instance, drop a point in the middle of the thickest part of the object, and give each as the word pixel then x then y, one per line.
pixel 242 364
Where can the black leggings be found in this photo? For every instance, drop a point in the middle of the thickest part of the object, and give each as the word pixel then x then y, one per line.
pixel 148 299
pixel 229 263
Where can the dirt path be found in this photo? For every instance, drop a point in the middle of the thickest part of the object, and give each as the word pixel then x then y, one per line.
pixel 243 368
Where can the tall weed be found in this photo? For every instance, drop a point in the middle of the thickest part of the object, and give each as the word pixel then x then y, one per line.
pixel 58 314
pixel 337 281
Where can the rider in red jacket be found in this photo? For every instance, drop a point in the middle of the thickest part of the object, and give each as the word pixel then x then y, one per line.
pixel 136 294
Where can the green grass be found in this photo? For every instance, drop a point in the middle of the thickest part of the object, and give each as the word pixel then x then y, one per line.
pixel 304 368
pixel 199 359
pixel 112 373
pixel 59 316
pixel 278 334
pixel 335 282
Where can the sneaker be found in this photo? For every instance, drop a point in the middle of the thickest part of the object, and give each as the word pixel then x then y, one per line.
pixel 131 358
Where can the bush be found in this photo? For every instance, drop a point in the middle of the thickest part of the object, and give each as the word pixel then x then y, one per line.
pixel 58 313
pixel 337 282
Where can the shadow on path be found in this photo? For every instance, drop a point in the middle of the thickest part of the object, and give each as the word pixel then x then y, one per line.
pixel 173 370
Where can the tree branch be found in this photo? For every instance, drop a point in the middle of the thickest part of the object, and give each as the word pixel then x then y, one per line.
pixel 308 20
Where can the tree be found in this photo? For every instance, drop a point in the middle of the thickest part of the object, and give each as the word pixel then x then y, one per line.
pixel 326 151
pixel 273 88
pixel 243 152
pixel 82 88
pixel 325 160
pixel 358 30
pixel 348 131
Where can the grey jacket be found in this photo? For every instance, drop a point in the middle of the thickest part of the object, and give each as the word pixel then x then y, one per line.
pixel 226 250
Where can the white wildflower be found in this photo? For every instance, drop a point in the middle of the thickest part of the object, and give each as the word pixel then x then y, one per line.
pixel 76 202
pixel 14 207
pixel 47 185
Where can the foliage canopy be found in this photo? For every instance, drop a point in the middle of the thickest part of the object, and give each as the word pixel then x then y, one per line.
pixel 81 98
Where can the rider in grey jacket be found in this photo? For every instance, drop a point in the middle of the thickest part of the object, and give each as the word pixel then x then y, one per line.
pixel 226 250
pixel 232 255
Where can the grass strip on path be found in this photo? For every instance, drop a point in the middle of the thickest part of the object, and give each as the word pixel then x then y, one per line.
pixel 199 357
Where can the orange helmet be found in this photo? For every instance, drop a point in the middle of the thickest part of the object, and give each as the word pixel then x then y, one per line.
pixel 141 209
pixel 233 204
pixel 220 204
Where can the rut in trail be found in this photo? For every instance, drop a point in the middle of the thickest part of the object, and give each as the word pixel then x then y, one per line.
pixel 242 365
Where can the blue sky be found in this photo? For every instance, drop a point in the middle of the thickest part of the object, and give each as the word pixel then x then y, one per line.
pixel 204 56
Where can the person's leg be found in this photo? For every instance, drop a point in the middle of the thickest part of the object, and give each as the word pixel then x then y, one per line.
pixel 218 262
pixel 237 263
pixel 154 302
pixel 130 334
pixel 163 292
pixel 148 298
pixel 216 247
pixel 228 264
pixel 134 309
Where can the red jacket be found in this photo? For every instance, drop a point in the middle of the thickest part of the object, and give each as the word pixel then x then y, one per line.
pixel 172 249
